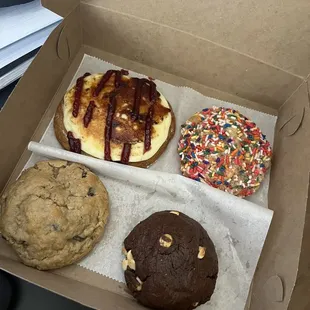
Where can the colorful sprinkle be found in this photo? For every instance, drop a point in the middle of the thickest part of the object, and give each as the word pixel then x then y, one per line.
pixel 224 149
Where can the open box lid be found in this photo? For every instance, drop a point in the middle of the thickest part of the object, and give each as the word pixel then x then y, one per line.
pixel 207 43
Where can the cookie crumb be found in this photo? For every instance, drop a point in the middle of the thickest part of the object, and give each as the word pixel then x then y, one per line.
pixel 175 212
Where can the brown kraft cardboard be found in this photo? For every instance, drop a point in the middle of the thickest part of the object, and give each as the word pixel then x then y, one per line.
pixel 247 52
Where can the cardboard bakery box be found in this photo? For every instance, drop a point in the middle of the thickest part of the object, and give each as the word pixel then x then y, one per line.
pixel 252 53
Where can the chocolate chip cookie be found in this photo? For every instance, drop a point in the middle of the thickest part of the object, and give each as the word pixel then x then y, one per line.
pixel 54 214
pixel 170 263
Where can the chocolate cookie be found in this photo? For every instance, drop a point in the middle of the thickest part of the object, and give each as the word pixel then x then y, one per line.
pixel 54 214
pixel 171 263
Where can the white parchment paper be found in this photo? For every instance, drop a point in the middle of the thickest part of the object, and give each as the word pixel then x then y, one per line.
pixel 238 227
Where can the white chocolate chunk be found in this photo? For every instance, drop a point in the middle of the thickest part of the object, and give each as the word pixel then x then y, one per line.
pixel 125 264
pixel 131 261
pixel 201 252
pixel 166 241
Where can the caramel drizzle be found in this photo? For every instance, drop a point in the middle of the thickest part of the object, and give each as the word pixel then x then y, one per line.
pixel 153 92
pixel 108 128
pixel 89 113
pixel 111 109
pixel 137 99
pixel 148 129
pixel 149 118
pixel 118 79
pixel 136 108
pixel 106 77
pixel 126 153
pixel 110 114
pixel 124 72
pixel 75 144
pixel 102 82
pixel 78 93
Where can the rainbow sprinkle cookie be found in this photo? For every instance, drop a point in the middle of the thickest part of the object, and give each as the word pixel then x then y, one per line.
pixel 224 149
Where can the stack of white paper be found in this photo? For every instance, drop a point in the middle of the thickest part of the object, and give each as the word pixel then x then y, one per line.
pixel 14 74
pixel 23 28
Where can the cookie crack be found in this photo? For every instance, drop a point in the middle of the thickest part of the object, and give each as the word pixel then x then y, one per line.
pixel 84 172
pixel 76 196
pixel 56 169
pixel 49 198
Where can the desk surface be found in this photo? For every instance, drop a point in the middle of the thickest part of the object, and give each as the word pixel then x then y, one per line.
pixel 27 296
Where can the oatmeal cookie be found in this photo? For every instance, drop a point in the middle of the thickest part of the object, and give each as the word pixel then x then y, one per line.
pixel 54 214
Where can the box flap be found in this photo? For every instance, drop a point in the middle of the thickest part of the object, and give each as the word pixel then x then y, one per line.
pixel 186 55
pixel 60 7
pixel 32 95
pixel 284 264
pixel 300 297
pixel 274 32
